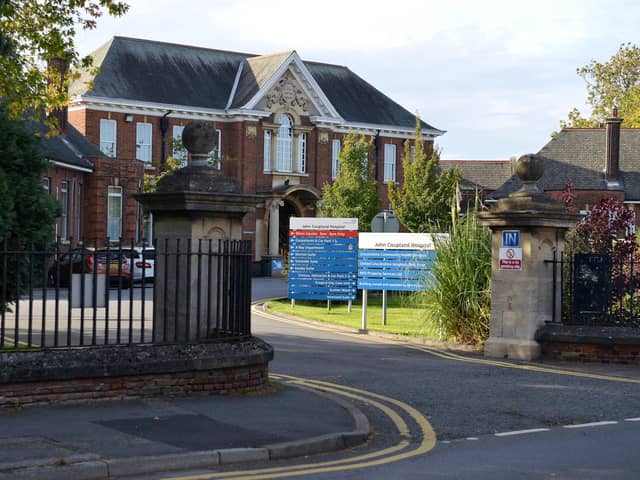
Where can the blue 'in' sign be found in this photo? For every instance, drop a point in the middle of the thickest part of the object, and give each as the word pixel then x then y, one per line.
pixel 511 238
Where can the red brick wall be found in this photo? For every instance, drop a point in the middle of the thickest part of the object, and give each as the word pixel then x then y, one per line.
pixel 223 382
pixel 243 158
pixel 583 352
pixel 126 173
pixel 77 185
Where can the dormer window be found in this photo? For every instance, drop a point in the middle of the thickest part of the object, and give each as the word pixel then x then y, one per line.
pixel 284 145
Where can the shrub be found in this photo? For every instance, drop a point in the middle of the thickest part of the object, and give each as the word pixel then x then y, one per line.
pixel 458 299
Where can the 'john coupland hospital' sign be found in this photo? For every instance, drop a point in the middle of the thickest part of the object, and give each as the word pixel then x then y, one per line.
pixel 394 261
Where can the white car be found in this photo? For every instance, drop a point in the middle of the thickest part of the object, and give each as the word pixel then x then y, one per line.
pixel 142 262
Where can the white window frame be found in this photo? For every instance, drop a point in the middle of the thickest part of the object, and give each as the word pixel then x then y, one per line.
pixel 336 147
pixel 284 144
pixel 178 152
pixel 114 192
pixel 147 228
pixel 63 198
pixel 108 137
pixel 389 163
pixel 46 184
pixel 78 209
pixel 267 151
pixel 144 139
pixel 215 155
pixel 302 153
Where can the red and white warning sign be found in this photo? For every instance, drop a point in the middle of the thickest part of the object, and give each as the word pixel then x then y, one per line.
pixel 510 258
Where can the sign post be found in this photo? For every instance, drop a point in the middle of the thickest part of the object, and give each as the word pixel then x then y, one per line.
pixel 393 261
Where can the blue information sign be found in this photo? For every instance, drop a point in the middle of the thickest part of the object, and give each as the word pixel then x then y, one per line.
pixel 511 238
pixel 400 262
pixel 323 260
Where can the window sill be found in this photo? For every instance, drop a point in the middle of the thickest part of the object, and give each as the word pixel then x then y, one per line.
pixel 288 174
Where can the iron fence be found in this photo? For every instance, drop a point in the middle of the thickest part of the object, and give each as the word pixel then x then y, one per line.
pixel 98 294
pixel 593 289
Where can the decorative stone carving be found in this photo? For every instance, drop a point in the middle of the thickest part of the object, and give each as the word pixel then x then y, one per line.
pixel 287 93
pixel 323 137
pixel 251 132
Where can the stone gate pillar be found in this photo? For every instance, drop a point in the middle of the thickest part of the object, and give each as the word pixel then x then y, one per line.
pixel 192 204
pixel 527 227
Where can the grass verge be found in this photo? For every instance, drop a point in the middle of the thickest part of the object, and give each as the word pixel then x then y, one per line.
pixel 403 318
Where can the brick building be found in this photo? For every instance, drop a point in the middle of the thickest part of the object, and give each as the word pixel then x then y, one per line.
pixel 598 163
pixel 280 120
pixel 88 185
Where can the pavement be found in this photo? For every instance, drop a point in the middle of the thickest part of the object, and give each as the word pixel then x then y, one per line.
pixel 108 439
pixel 119 438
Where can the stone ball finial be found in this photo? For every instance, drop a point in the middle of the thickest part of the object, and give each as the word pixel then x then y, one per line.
pixel 530 168
pixel 199 138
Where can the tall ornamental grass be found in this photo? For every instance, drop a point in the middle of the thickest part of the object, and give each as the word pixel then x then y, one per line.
pixel 457 300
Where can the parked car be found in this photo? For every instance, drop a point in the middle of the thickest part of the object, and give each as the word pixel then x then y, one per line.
pixel 141 262
pixel 88 261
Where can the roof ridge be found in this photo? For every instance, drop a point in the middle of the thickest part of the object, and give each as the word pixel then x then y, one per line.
pixel 267 55
pixel 182 45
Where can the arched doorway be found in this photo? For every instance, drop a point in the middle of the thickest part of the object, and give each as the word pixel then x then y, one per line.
pixel 297 201
pixel 287 210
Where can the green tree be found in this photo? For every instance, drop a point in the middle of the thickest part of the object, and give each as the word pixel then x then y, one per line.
pixel 151 180
pixel 353 193
pixel 422 202
pixel 27 211
pixel 615 82
pixel 36 33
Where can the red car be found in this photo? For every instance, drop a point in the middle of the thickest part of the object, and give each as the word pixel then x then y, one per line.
pixel 88 260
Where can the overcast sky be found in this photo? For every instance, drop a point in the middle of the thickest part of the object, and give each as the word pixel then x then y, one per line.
pixel 496 75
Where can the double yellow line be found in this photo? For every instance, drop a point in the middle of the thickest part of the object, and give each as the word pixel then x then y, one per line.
pixel 394 409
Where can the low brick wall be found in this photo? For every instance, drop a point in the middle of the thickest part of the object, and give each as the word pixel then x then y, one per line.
pixel 107 373
pixel 590 343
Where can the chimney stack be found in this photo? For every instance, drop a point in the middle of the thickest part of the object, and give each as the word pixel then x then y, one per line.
pixel 612 147
pixel 57 69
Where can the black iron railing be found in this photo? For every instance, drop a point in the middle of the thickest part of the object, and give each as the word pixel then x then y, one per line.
pixel 593 289
pixel 99 294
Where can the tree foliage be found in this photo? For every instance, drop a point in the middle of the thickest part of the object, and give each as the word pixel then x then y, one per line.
pixel 422 202
pixel 27 211
pixel 151 180
pixel 615 82
pixel 353 193
pixel 609 228
pixel 37 33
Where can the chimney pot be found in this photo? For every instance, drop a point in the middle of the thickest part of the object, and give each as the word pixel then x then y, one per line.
pixel 57 70
pixel 612 148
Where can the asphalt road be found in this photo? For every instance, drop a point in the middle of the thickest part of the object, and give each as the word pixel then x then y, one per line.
pixel 468 403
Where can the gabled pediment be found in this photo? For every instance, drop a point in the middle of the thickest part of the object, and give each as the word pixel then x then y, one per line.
pixel 288 94
pixel 281 80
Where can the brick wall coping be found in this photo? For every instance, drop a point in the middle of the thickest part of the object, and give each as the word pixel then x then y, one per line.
pixel 585 334
pixel 126 360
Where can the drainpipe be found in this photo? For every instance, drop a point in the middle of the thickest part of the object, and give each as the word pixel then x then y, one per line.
pixel 164 126
pixel 376 144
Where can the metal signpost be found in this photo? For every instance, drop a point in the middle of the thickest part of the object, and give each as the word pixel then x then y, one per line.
pixel 393 261
pixel 323 258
